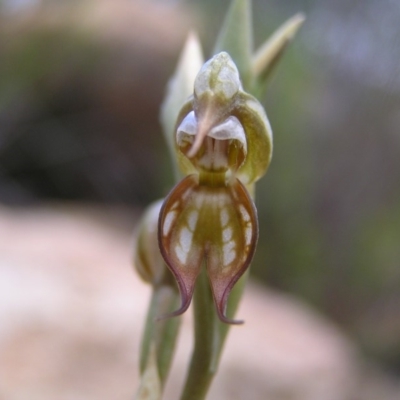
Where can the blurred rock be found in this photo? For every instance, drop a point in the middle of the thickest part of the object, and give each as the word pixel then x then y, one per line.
pixel 377 385
pixel 72 310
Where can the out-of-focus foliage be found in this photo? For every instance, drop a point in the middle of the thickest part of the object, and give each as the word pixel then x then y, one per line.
pixel 80 90
pixel 81 121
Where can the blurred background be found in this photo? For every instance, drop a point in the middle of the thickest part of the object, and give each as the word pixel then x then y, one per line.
pixel 81 83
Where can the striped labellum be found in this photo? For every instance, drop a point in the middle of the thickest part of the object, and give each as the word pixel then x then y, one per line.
pixel 223 142
pixel 217 225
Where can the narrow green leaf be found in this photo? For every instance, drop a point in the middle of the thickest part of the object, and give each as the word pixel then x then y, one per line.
pixel 180 87
pixel 267 56
pixel 150 385
pixel 236 38
pixel 161 334
pixel 158 336
pixel 210 336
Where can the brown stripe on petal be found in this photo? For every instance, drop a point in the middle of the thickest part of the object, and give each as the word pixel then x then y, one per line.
pixel 228 259
pixel 217 224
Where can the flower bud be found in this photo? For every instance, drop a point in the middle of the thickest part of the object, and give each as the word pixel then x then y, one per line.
pixel 147 258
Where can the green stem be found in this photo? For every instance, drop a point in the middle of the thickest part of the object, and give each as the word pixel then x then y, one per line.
pixel 162 334
pixel 210 335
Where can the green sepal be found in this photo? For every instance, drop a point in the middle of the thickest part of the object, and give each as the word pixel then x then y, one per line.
pixel 184 164
pixel 270 52
pixel 147 258
pixel 236 38
pixel 180 87
pixel 258 132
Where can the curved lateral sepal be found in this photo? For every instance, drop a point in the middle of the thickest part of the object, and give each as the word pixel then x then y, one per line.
pixel 258 132
pixel 177 242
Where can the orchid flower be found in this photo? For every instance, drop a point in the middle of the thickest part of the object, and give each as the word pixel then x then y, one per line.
pixel 223 144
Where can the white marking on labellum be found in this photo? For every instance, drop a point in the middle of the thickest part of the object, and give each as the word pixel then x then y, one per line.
pixel 229 257
pixel 248 234
pixel 229 252
pixel 192 219
pixel 229 246
pixel 169 219
pixel 180 254
pixel 244 212
pixel 185 243
pixel 227 234
pixel 185 239
pixel 224 216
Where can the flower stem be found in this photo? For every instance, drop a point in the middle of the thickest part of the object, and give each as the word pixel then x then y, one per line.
pixel 210 335
pixel 161 334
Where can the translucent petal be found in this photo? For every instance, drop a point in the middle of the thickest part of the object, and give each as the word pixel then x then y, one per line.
pixel 231 128
pixel 187 129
